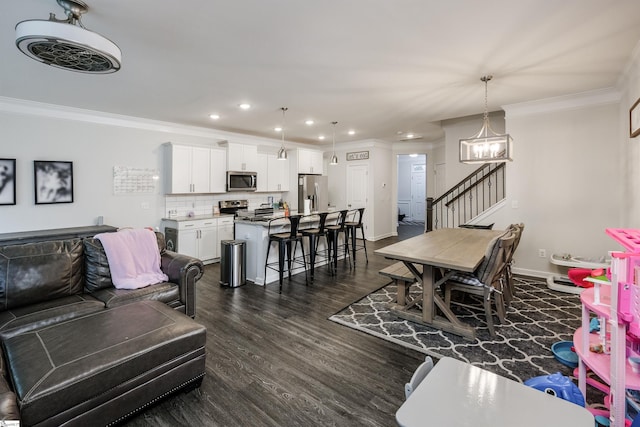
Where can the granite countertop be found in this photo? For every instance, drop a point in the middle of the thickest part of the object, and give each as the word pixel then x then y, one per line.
pixel 196 217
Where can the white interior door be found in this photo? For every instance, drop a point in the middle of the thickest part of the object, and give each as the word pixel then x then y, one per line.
pixel 357 176
pixel 418 192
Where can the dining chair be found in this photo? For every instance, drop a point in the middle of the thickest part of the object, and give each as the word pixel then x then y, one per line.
pixel 510 285
pixel 419 375
pixel 486 281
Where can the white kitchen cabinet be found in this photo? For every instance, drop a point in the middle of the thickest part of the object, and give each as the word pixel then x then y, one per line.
pixel 309 161
pixel 197 238
pixel 188 169
pixel 225 231
pixel 218 171
pixel 278 174
pixel 242 157
pixel 263 173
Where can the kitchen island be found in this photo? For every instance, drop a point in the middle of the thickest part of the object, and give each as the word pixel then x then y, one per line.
pixel 255 231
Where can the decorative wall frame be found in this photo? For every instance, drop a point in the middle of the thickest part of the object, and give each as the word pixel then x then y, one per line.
pixel 53 182
pixel 7 181
pixel 634 119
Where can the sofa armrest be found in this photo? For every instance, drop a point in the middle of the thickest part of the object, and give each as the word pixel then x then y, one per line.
pixel 185 271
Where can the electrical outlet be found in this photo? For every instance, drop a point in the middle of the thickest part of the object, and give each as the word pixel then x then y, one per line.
pixel 144 205
pixel 542 253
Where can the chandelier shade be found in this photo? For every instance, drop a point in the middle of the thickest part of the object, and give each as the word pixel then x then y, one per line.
pixel 486 146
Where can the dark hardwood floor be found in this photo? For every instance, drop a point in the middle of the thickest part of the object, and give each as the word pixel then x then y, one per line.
pixel 276 360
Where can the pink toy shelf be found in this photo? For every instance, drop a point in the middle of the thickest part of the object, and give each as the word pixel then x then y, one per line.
pixel 628 306
pixel 617 305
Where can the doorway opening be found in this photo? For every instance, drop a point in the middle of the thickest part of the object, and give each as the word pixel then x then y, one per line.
pixel 412 194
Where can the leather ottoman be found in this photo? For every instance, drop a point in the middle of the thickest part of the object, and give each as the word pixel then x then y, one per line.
pixel 101 368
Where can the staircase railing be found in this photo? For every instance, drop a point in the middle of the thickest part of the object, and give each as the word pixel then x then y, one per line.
pixel 473 195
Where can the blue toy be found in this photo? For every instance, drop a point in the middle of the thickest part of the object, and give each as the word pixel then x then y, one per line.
pixel 559 386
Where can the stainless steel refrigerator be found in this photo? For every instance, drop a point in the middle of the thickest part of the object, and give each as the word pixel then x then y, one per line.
pixel 315 188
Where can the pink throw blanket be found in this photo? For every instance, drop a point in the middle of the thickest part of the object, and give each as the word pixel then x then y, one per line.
pixel 134 258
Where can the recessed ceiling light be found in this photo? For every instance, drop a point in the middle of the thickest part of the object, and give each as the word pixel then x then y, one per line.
pixel 278 129
pixel 352 132
pixel 321 137
pixel 309 122
pixel 409 135
pixel 244 106
pixel 214 116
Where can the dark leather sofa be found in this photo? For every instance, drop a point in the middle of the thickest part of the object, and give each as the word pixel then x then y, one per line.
pixel 52 286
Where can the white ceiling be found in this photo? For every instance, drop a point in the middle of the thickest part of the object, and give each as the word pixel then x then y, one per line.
pixel 376 66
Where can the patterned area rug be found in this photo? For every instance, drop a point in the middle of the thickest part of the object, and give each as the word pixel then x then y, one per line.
pixel 537 318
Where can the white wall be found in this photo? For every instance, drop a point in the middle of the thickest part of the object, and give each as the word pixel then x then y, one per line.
pixel 377 218
pixel 95 143
pixel 630 147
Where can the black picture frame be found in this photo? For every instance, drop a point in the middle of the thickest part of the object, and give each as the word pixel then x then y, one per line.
pixel 634 119
pixel 53 182
pixel 7 181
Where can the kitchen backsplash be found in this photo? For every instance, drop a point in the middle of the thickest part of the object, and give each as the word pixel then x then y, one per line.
pixel 202 204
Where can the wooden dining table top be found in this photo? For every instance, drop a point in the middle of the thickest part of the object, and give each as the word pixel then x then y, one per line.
pixel 459 249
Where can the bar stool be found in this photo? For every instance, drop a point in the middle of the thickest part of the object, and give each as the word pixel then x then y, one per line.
pixel 285 241
pixel 333 233
pixel 351 228
pixel 314 235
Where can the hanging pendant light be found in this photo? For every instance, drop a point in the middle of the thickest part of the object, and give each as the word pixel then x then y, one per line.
pixel 487 146
pixel 282 152
pixel 334 158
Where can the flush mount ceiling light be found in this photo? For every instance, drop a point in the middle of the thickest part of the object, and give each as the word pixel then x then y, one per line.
pixel 334 158
pixel 487 146
pixel 67 44
pixel 282 152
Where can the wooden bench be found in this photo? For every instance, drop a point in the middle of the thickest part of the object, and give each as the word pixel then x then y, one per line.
pixel 402 278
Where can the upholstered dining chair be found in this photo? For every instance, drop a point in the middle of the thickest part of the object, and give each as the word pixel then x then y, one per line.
pixel 487 281
pixel 419 375
pixel 510 289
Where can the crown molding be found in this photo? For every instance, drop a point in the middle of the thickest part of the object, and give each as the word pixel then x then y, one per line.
pixel 33 108
pixel 568 102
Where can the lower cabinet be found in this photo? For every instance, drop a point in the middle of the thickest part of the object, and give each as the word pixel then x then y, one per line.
pixel 199 238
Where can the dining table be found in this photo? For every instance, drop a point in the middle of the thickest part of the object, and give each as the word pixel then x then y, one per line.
pixel 441 253
pixel 458 394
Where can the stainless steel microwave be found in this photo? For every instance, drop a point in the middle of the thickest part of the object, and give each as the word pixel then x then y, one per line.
pixel 242 181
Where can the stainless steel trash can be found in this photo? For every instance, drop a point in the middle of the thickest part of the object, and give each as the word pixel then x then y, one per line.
pixel 233 263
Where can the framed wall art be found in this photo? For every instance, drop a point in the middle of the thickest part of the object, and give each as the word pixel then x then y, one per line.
pixel 53 182
pixel 634 119
pixel 7 181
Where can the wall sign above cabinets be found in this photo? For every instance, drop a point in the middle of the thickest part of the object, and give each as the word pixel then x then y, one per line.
pixel 358 155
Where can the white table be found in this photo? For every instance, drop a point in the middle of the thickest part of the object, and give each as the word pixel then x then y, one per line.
pixel 457 394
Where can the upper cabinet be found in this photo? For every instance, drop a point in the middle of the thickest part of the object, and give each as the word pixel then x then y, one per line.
pixel 273 174
pixel 188 168
pixel 309 161
pixel 263 173
pixel 218 171
pixel 278 174
pixel 242 157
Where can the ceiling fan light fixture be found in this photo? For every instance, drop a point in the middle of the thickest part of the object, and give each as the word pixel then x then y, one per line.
pixel 67 44
pixel 487 146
